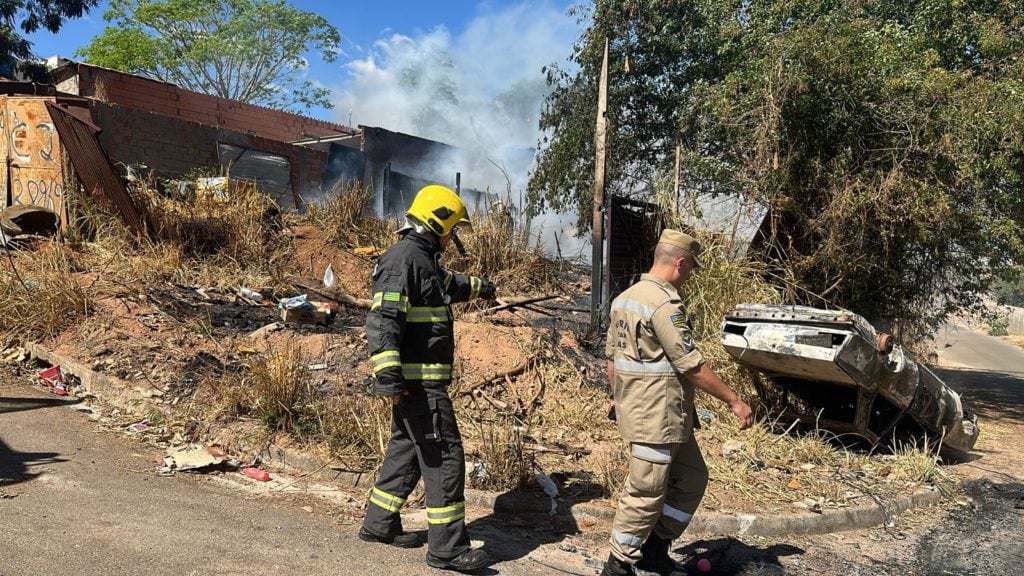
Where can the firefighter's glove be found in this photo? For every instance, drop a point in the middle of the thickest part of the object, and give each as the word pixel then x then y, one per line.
pixel 488 289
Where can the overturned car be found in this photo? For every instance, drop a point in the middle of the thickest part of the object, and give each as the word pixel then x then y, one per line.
pixel 830 368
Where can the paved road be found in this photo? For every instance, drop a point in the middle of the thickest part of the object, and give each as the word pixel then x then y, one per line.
pixel 79 501
pixel 988 371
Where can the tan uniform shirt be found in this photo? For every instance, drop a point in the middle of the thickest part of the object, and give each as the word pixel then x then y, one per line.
pixel 651 345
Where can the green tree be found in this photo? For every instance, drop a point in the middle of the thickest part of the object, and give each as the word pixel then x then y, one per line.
pixel 248 50
pixel 884 137
pixel 31 15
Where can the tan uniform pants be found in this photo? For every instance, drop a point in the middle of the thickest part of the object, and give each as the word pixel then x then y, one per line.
pixel 665 485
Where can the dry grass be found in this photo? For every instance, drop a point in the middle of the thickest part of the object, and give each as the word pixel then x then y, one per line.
pixel 1016 340
pixel 346 220
pixel 195 239
pixel 498 250
pixel 499 452
pixel 355 427
pixel 560 401
pixel 280 390
pixel 40 293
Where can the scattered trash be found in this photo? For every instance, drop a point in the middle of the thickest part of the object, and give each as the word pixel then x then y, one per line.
pixel 731 447
pixel 191 457
pixel 215 188
pixel 550 488
pixel 479 470
pixel 315 367
pixel 308 509
pixel 809 504
pixel 296 303
pixel 794 484
pixel 53 379
pixel 256 474
pixel 301 310
pixel 705 415
pixel 251 294
pixel 329 277
pixel 15 355
pixel 138 427
pixel 364 251
pixel 704 565
pixel 566 547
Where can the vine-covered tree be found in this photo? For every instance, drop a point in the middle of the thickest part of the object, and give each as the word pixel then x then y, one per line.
pixel 29 16
pixel 248 50
pixel 886 138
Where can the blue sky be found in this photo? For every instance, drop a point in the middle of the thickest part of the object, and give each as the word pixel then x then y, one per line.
pixel 370 30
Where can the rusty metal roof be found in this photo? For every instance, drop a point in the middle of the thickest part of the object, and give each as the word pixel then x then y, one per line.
pixel 94 169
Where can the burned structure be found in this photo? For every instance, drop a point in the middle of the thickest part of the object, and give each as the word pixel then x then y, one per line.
pixel 155 128
pixel 831 369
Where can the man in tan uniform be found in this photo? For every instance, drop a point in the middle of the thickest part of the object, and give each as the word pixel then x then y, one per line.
pixel 653 367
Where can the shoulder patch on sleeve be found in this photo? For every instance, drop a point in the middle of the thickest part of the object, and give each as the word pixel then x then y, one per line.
pixel 678 319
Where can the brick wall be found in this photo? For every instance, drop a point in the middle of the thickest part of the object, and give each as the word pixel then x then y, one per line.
pixel 171 146
pixel 169 100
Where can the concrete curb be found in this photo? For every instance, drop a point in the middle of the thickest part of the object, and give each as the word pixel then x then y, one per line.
pixel 704 523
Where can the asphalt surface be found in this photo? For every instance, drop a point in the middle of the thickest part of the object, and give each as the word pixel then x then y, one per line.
pixel 81 501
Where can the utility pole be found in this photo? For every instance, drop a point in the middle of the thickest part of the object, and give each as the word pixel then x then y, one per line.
pixel 601 138
pixel 676 196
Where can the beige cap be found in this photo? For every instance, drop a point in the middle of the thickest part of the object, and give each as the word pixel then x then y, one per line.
pixel 684 241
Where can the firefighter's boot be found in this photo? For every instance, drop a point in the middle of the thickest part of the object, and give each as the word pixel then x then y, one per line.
pixel 656 559
pixel 616 567
pixel 468 561
pixel 400 539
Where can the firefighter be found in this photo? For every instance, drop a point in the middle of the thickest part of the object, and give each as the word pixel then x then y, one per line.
pixel 409 330
pixel 653 367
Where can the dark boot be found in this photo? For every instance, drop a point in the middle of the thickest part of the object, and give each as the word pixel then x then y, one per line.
pixel 616 567
pixel 401 539
pixel 468 561
pixel 656 559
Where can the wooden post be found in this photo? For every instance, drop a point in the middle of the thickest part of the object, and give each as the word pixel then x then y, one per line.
pixel 597 225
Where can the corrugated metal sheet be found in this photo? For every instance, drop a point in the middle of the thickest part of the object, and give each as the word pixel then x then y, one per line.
pixel 94 169
pixel 633 230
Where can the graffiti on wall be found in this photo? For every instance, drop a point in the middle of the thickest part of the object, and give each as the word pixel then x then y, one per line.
pixel 34 172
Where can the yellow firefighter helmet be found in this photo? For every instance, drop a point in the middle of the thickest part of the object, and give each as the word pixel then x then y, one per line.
pixel 439 209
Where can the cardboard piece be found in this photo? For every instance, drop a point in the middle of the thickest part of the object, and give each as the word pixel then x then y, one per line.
pixel 318 314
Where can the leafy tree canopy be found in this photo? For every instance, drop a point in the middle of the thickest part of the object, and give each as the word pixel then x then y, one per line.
pixel 28 16
pixel 248 50
pixel 884 137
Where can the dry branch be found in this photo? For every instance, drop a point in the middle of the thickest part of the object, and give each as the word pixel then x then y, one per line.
pixel 517 303
pixel 518 369
pixel 330 293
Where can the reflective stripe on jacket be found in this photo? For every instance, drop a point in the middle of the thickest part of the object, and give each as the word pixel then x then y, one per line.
pixel 409 328
pixel 651 346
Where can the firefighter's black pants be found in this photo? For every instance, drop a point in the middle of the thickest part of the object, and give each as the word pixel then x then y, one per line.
pixel 425 442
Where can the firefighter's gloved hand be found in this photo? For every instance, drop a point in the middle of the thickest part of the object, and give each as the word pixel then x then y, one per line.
pixel 487 289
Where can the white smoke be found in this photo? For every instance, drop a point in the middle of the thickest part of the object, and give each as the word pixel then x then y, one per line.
pixel 480 89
